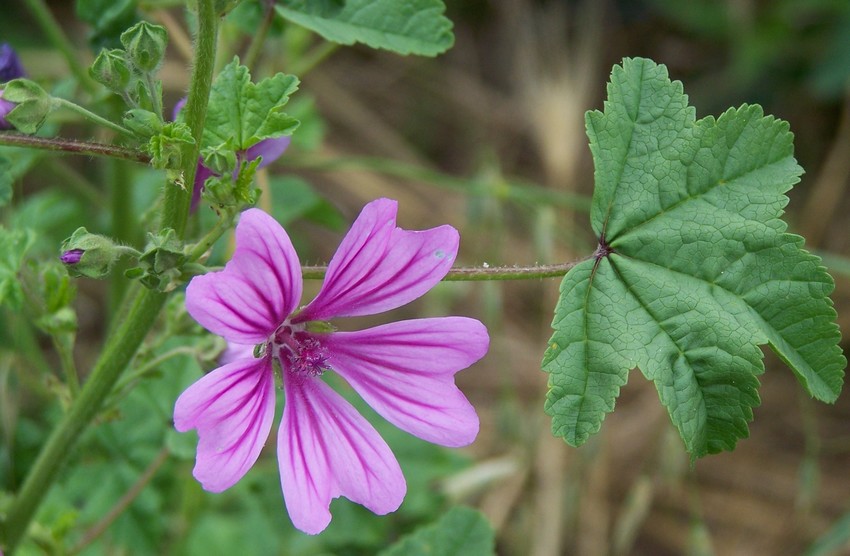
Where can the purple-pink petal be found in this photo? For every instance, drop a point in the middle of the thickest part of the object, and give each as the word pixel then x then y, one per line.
pixel 379 267
pixel 405 371
pixel 326 449
pixel 269 149
pixel 232 409
pixel 5 107
pixel 258 288
pixel 201 175
pixel 234 352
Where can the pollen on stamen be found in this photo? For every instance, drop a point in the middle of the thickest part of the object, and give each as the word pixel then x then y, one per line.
pixel 308 358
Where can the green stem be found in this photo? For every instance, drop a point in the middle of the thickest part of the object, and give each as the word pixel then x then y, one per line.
pixel 155 94
pixel 132 328
pixel 71 146
pixel 92 116
pixel 60 41
pixel 222 225
pixel 177 198
pixel 64 346
pixel 313 58
pixel 259 38
pixel 476 274
pixel 123 227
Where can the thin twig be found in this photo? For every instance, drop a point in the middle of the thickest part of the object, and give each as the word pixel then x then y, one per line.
pixel 476 273
pixel 72 146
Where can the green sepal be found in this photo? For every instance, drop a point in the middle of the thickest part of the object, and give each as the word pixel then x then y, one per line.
pixel 161 263
pixel 166 148
pixel 143 123
pixel 223 192
pixel 33 105
pixel 221 159
pixel 145 44
pixel 112 70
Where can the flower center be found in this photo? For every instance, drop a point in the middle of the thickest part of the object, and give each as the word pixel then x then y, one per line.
pixel 299 351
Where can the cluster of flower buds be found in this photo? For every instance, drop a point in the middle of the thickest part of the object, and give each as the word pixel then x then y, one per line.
pixel 125 71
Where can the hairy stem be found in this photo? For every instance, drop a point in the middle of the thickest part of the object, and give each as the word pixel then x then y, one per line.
pixel 64 346
pixel 178 198
pixel 223 224
pixel 131 330
pixel 71 146
pixel 477 274
pixel 89 115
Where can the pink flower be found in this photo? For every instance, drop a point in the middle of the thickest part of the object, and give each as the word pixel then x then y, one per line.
pixel 404 370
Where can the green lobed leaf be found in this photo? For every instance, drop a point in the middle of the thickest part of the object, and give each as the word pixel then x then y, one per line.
pixel 248 112
pixel 694 269
pixel 459 532
pixel 410 27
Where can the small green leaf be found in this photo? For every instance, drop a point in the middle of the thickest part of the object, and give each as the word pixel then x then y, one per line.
pixel 13 247
pixel 460 532
pixel 410 27
pixel 248 112
pixel 166 148
pixel 694 269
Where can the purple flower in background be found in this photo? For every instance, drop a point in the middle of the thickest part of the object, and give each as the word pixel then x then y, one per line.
pixel 404 370
pixel 72 256
pixel 269 149
pixel 10 68
pixel 10 64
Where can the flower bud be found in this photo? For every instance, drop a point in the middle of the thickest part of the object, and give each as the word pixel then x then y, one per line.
pixel 142 122
pixel 145 44
pixel 10 64
pixel 31 104
pixel 72 256
pixel 111 70
pixel 221 159
pixel 90 255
